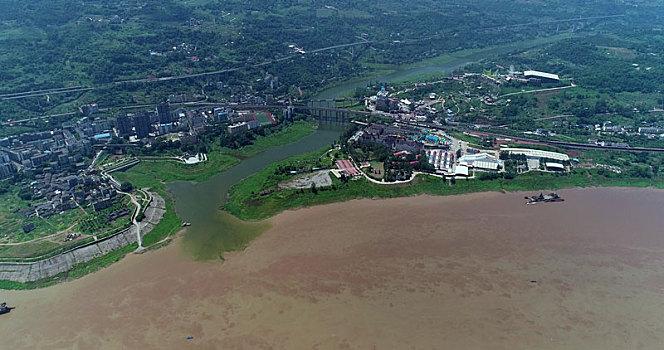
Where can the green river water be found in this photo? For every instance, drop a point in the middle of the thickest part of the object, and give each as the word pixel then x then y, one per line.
pixel 214 231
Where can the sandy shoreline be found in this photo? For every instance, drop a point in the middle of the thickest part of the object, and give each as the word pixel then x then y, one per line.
pixel 422 272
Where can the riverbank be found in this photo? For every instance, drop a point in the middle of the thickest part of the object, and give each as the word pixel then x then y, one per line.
pixel 259 196
pixel 90 257
pixel 469 271
pixel 292 133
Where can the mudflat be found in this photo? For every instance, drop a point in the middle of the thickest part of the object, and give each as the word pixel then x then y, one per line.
pixel 478 271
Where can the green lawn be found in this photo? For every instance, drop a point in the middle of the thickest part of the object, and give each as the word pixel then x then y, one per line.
pixel 290 134
pixel 28 250
pixel 148 173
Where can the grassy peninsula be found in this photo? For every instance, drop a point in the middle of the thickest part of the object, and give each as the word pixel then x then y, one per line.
pixel 259 196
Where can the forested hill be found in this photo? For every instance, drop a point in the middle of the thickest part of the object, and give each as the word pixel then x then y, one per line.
pixel 63 43
pixel 51 42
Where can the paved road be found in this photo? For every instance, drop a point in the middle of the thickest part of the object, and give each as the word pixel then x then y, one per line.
pixel 539 90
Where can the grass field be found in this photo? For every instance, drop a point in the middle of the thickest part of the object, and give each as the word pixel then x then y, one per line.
pixel 290 134
pixel 169 225
pixel 150 172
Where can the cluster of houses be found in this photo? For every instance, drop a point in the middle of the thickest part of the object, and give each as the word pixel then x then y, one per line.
pixel 393 137
pixel 56 162
pixel 64 191
pixel 649 130
pixel 428 109
pixel 403 109
pixel 244 121
pixel 182 124
pixel 447 156
pixel 66 148
pixel 49 152
pixel 444 154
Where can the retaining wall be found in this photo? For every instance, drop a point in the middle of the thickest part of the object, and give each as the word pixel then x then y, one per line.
pixel 26 272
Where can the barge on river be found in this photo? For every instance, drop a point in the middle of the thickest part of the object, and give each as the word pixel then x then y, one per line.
pixel 4 309
pixel 544 198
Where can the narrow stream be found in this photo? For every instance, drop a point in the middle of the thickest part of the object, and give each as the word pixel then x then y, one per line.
pixel 213 230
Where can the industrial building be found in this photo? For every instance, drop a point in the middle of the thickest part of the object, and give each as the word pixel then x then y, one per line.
pixel 553 161
pixel 536 153
pixel 481 161
pixel 545 77
pixel 441 159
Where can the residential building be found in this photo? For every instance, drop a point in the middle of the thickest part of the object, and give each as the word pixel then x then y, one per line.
pixel 142 125
pixel 123 126
pixel 164 113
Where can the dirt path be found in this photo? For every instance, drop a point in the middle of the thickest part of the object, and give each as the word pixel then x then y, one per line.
pixel 137 224
pixel 49 237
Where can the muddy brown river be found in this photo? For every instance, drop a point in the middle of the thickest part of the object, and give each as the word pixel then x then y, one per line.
pixel 478 271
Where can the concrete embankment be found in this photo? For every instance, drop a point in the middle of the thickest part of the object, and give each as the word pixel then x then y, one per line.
pixel 32 271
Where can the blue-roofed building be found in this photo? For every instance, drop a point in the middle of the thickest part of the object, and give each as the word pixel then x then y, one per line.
pixel 165 128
